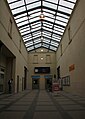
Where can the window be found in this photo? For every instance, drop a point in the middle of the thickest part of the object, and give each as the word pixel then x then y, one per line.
pixel 35 59
pixel 20 46
pixel 69 34
pixel 61 49
pixel 10 28
pixel 48 59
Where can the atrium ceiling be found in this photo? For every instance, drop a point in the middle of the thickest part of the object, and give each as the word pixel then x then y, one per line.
pixel 41 22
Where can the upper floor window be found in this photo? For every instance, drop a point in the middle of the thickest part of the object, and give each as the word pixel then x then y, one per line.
pixel 10 28
pixel 69 34
pixel 35 59
pixel 61 49
pixel 48 59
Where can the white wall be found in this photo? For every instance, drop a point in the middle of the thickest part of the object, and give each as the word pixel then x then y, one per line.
pixel 13 44
pixel 74 53
pixel 40 63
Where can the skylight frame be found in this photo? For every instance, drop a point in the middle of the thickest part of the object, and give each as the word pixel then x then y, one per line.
pixel 26 15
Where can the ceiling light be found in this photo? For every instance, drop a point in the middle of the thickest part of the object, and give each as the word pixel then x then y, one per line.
pixel 41 50
pixel 41 37
pixel 42 16
pixel 41 58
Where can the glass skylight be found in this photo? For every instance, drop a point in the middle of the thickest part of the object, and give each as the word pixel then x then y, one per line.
pixel 27 17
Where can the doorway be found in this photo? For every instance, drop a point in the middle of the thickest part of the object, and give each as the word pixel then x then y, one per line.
pixel 2 75
pixel 25 77
pixel 58 72
pixel 35 83
pixel 48 84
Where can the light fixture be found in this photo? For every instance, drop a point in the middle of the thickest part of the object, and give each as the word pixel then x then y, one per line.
pixel 41 38
pixel 41 50
pixel 42 16
pixel 41 58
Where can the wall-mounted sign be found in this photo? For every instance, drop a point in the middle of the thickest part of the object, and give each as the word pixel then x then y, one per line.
pixel 42 70
pixel 71 67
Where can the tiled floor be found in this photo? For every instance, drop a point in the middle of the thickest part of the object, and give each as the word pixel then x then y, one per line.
pixel 42 105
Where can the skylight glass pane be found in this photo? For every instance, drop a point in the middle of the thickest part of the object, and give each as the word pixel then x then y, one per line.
pixel 35 29
pixel 45 45
pixel 73 0
pixel 16 4
pixel 47 18
pixel 59 22
pixel 48 23
pixel 27 37
pixel 56 36
pixel 34 11
pixel 47 29
pixel 22 23
pixel 32 20
pixel 53 48
pixel 49 11
pixel 28 1
pixel 61 30
pixel 26 29
pixel 27 40
pixel 29 43
pixel 63 9
pixel 18 10
pixel 21 15
pixel 54 43
pixel 54 31
pixel 21 19
pixel 34 15
pixel 46 36
pixel 38 45
pixel 49 4
pixel 54 1
pixel 23 33
pixel 30 48
pixel 46 32
pixel 36 33
pixel 46 40
pixel 30 6
pixel 66 3
pixel 34 26
pixel 37 40
pixel 48 14
pixel 62 15
pixel 35 37
pixel 62 19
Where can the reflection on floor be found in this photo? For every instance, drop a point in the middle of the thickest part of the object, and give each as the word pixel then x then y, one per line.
pixel 42 105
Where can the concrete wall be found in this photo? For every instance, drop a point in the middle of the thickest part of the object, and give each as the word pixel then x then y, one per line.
pixel 40 63
pixel 73 52
pixel 14 43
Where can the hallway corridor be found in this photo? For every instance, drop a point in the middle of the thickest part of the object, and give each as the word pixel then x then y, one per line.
pixel 42 105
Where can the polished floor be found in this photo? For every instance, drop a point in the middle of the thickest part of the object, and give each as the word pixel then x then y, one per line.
pixel 42 105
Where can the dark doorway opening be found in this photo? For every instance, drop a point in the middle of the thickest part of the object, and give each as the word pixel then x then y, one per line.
pixel 48 84
pixel 35 83
pixel 25 77
pixel 58 72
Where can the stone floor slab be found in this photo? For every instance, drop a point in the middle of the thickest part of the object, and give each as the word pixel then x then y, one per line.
pixel 47 115
pixel 12 115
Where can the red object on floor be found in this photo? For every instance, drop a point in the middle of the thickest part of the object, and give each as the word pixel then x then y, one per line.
pixel 55 87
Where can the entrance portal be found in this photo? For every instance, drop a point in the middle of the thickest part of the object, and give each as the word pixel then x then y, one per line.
pixel 35 83
pixel 48 84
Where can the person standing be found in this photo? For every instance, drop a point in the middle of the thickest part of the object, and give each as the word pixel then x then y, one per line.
pixel 10 85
